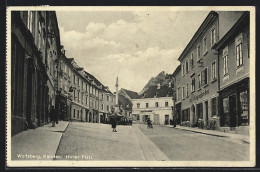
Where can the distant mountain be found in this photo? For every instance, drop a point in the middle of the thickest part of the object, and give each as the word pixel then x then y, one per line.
pixel 162 78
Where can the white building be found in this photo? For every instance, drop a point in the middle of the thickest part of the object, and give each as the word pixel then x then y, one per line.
pixel 156 103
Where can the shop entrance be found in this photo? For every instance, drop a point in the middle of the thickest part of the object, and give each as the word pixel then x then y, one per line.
pixel 233 111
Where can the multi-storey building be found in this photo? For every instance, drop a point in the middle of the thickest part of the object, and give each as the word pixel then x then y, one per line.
pixel 31 32
pixel 234 58
pixel 125 103
pixel 107 102
pixel 197 87
pixel 176 76
pixel 155 103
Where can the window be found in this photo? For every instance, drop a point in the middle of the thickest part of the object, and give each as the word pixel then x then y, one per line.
pixel 78 81
pixel 187 90
pixel 205 45
pixel 82 84
pixel 102 106
pixel 182 68
pixel 199 80
pixel 107 107
pixel 214 106
pixel 102 96
pixel 81 98
pixel 156 104
pixel 78 96
pixel 192 60
pixel 183 93
pixel 239 55
pixel 193 85
pixel 69 72
pixel 166 104
pixel 107 98
pixel 74 79
pixel 204 77
pixel 74 94
pixel 198 52
pixel 213 71
pixel 77 114
pixel 187 65
pixel 147 105
pixel 138 105
pixel 213 36
pixel 86 88
pixel 86 100
pixel 74 113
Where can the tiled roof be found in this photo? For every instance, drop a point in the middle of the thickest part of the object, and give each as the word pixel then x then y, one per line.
pixel 153 92
pixel 131 94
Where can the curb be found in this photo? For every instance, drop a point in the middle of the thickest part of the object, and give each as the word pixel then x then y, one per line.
pixel 216 135
pixel 60 141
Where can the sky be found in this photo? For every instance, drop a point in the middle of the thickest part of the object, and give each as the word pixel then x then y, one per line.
pixel 133 45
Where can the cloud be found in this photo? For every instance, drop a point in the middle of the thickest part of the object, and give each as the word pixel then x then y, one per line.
pixel 133 50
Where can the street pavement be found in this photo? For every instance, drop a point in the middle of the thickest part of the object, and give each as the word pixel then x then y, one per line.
pixel 37 144
pixel 91 141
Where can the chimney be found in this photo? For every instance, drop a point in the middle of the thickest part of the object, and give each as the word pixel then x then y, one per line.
pixel 158 86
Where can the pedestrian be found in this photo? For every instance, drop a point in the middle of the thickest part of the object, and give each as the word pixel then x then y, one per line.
pixel 174 121
pixel 113 120
pixel 53 116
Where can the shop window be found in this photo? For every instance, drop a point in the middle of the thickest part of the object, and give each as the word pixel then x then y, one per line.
pixel 226 112
pixel 200 110
pixel 74 113
pixel 244 108
pixel 214 106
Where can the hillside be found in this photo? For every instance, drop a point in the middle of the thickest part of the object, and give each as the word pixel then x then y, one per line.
pixel 162 78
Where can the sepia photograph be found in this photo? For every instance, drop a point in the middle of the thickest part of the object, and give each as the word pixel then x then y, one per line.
pixel 130 86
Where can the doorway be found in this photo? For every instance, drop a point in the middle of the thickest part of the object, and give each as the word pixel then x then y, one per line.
pixel 156 118
pixel 233 111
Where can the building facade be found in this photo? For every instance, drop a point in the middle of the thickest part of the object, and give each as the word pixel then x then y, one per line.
pixel 107 102
pixel 155 103
pixel 125 103
pixel 234 58
pixel 31 94
pixel 197 84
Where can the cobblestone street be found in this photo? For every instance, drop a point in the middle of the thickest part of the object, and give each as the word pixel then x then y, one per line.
pixel 90 141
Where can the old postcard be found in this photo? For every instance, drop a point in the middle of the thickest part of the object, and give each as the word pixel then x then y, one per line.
pixel 130 86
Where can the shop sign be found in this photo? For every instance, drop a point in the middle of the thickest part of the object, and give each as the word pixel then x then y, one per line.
pixel 194 97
